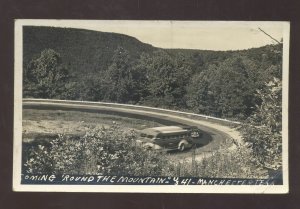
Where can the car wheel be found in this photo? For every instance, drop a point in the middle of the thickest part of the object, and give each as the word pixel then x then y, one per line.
pixel 181 147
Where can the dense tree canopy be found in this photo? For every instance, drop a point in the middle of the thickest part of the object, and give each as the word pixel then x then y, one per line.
pixel 223 86
pixel 45 76
pixel 225 89
pixel 165 79
pixel 119 84
pixel 263 129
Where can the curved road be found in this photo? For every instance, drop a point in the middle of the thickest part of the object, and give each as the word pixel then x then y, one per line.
pixel 216 131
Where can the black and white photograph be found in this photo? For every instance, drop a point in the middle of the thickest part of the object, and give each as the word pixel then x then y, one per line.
pixel 151 106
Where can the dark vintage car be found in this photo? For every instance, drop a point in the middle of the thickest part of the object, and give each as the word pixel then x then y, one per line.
pixel 169 137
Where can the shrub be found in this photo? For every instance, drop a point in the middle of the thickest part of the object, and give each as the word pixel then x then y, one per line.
pixel 263 131
pixel 229 161
pixel 107 151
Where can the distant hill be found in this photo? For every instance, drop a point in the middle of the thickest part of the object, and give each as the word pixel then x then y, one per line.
pixel 87 51
pixel 82 50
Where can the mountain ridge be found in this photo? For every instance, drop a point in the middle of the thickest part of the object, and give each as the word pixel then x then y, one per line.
pixel 79 48
pixel 90 51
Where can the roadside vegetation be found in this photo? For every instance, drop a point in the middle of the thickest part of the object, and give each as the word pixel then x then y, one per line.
pixel 112 151
pixel 106 151
pixel 228 161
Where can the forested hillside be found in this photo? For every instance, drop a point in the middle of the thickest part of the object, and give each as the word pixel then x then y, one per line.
pixel 96 66
pixel 82 50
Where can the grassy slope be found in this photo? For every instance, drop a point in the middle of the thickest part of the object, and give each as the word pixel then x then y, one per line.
pixel 44 123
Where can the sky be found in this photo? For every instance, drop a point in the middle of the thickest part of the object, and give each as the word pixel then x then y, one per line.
pixel 205 35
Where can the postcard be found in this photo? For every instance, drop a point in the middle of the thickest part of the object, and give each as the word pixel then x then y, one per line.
pixel 151 106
